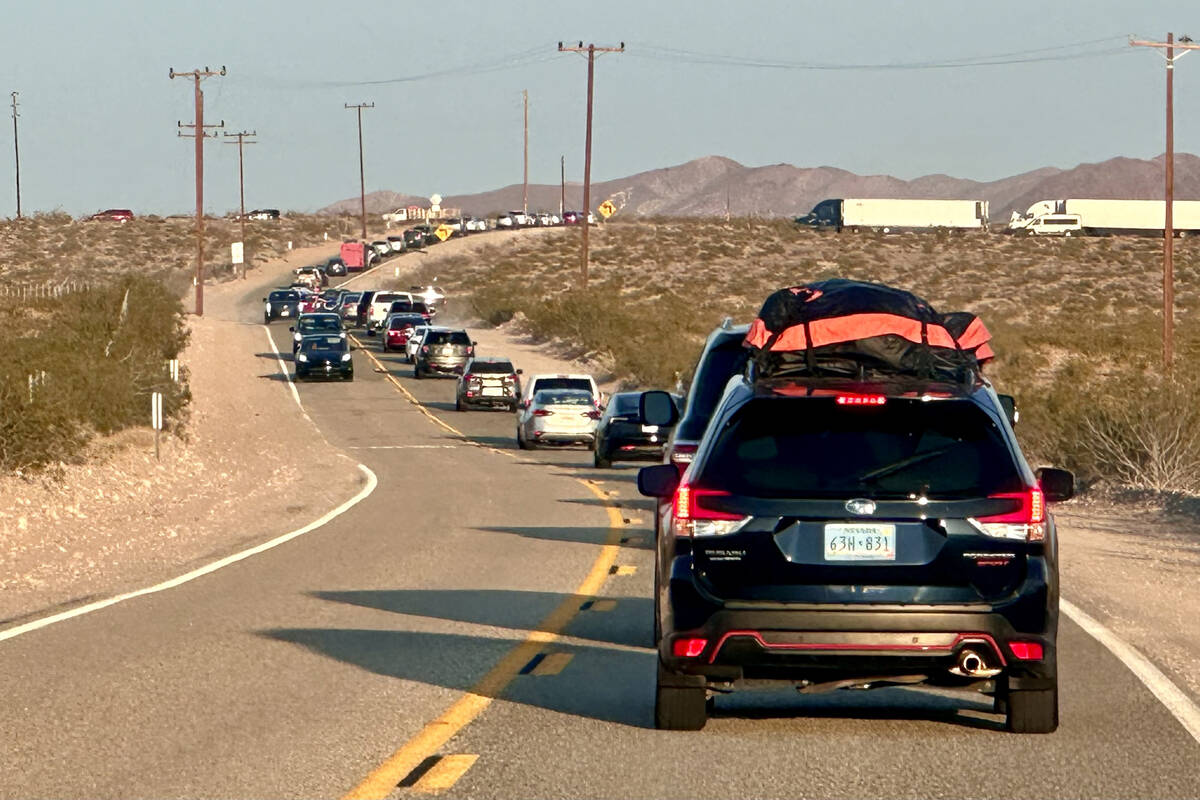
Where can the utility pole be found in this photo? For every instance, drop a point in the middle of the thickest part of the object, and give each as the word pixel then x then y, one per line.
pixel 200 135
pixel 241 140
pixel 591 51
pixel 362 181
pixel 1168 335
pixel 525 195
pixel 562 185
pixel 16 151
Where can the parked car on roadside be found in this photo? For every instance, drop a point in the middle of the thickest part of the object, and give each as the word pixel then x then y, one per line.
pixel 488 381
pixel 557 416
pixel 335 267
pixel 443 351
pixel 263 213
pixel 324 356
pixel 112 215
pixel 397 243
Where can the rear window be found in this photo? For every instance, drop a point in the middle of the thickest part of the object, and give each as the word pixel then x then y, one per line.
pixel 814 448
pixel 351 297
pixel 447 337
pixel 582 384
pixel 722 363
pixel 562 397
pixel 387 297
pixel 492 367
pixel 405 322
pixel 401 305
pixel 626 403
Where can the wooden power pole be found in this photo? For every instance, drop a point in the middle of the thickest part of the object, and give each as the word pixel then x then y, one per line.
pixel 1168 335
pixel 200 134
pixel 591 51
pixel 16 151
pixel 525 193
pixel 362 180
pixel 242 140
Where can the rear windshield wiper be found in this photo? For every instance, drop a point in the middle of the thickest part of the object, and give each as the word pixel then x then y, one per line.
pixel 897 466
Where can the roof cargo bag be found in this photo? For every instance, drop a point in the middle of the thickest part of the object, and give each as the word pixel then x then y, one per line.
pixel 840 327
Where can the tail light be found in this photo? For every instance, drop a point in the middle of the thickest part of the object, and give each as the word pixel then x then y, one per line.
pixel 542 412
pixel 593 414
pixel 682 455
pixel 1027 521
pixel 470 351
pixel 692 520
pixel 1027 651
pixel 424 348
pixel 689 647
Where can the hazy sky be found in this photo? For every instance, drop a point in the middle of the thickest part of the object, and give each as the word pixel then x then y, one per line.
pixel 98 112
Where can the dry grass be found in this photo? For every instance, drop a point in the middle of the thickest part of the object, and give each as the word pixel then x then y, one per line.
pixel 1075 321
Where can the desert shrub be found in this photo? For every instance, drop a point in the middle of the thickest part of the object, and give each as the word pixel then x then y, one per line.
pixel 94 357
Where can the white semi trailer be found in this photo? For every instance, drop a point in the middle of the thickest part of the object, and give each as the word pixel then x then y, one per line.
pixel 890 215
pixel 1104 217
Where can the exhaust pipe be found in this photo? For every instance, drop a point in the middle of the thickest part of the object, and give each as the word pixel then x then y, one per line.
pixel 973 664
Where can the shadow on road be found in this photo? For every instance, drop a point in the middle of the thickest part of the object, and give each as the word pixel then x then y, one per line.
pixel 579 535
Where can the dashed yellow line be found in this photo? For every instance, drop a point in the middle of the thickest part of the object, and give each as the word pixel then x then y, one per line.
pixel 625 569
pixel 444 774
pixel 552 664
pixel 382 781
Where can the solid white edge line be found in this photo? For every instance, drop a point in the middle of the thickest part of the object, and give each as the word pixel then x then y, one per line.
pixel 283 369
pixel 1170 695
pixel 372 482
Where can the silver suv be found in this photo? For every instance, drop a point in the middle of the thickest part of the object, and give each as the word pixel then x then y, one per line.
pixel 443 351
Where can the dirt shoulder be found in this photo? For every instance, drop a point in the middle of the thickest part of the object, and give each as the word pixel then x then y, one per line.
pixel 124 519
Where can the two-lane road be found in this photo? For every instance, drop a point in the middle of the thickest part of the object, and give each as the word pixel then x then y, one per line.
pixel 480 624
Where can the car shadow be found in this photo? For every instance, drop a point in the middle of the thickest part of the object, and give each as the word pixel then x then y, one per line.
pixel 276 376
pixel 584 688
pixel 273 356
pixel 581 535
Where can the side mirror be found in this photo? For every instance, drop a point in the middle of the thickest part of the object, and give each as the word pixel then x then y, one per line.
pixel 661 480
pixel 520 372
pixel 292 329
pixel 1009 404
pixel 1057 484
pixel 657 408
pixel 474 344
pixel 264 299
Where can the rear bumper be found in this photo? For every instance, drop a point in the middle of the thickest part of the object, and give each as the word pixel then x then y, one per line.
pixel 566 437
pixel 820 643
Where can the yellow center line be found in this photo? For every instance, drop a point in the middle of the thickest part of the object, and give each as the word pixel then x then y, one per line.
pixel 382 781
pixel 445 773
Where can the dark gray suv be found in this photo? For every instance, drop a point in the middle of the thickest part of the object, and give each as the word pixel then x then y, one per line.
pixel 443 351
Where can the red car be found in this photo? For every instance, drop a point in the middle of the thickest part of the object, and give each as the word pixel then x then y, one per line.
pixel 113 215
pixel 400 327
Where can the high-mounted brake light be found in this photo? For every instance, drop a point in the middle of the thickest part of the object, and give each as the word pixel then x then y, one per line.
pixel 1027 521
pixel 860 399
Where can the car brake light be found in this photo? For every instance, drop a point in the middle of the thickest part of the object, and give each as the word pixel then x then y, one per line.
pixel 1027 521
pixel 688 648
pixel 692 520
pixel 860 399
pixel 1026 651
pixel 592 414
pixel 542 412
pixel 424 348
pixel 470 351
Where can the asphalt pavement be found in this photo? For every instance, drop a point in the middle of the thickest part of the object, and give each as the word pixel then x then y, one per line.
pixel 480 626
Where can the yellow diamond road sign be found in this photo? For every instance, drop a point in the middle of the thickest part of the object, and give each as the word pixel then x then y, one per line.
pixel 443 231
pixel 607 209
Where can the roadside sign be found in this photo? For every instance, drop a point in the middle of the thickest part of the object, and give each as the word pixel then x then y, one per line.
pixel 237 253
pixel 607 209
pixel 443 231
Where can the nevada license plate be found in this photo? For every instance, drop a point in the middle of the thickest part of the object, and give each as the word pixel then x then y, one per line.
pixel 649 429
pixel 491 391
pixel 860 542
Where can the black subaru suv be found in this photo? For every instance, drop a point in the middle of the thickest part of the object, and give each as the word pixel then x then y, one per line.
pixel 832 533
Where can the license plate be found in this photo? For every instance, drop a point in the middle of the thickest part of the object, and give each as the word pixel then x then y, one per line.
pixel 860 542
pixel 489 391
pixel 284 313
pixel 649 429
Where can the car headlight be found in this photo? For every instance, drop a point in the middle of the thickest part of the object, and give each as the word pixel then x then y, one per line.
pixel 302 357
pixel 296 336
pixel 343 334
pixel 345 356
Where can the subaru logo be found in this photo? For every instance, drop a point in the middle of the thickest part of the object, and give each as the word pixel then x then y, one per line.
pixel 860 507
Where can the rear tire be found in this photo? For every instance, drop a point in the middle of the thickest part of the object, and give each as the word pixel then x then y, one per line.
pixel 417 371
pixel 680 702
pixel 1032 710
pixel 521 443
pixel 600 463
pixel 458 404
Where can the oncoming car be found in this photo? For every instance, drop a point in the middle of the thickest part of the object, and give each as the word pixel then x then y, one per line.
pixel 320 323
pixel 324 357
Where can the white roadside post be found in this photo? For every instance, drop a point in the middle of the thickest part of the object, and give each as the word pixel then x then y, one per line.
pixel 156 419
pixel 173 368
pixel 237 257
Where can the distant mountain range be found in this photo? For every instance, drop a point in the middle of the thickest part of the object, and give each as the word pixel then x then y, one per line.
pixel 714 185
